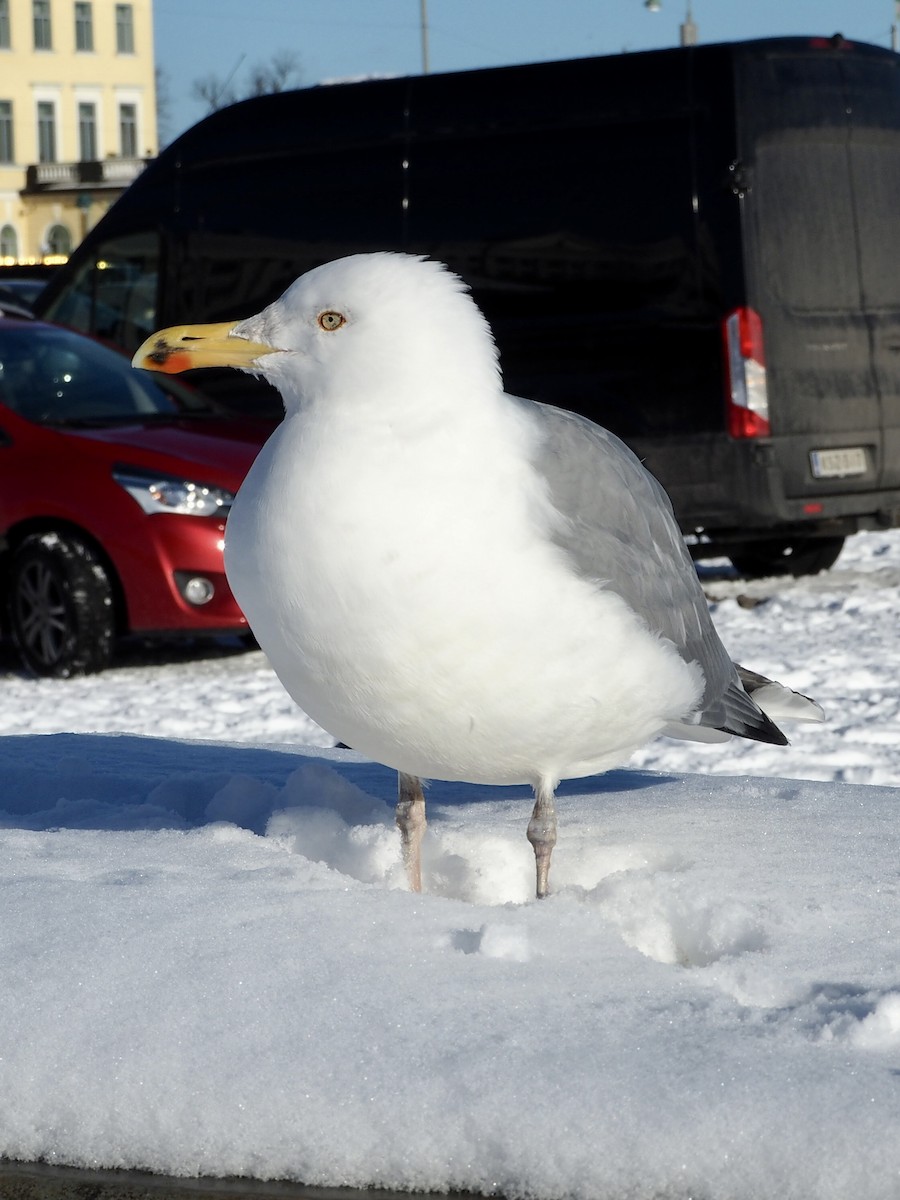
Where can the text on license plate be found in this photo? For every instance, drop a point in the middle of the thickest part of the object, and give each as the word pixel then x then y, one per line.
pixel 831 464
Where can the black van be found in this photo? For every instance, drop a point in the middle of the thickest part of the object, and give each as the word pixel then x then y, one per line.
pixel 698 248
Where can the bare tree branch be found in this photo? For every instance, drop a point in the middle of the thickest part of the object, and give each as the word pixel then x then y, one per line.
pixel 281 72
pixel 214 92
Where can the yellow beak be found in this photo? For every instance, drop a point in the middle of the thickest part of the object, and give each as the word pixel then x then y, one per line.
pixel 184 347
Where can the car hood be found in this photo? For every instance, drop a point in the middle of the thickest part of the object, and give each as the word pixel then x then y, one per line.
pixel 224 449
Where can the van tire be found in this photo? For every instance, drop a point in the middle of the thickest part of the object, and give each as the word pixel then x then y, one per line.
pixel 787 556
pixel 60 607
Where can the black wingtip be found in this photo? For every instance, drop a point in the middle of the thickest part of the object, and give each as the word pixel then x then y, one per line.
pixel 763 730
pixel 767 731
pixel 744 717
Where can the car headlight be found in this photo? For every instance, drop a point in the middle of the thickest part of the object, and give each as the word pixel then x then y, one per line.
pixel 156 492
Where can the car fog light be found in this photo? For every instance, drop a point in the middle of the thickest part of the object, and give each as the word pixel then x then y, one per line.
pixel 198 590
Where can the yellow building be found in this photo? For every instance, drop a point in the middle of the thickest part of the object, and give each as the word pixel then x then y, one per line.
pixel 77 117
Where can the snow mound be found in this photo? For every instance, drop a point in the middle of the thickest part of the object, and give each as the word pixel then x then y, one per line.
pixel 209 965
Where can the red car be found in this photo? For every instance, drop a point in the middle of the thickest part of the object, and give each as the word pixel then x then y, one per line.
pixel 114 489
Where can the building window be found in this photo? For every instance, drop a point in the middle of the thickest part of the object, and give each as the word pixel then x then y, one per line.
pixel 46 119
pixel 128 139
pixel 7 149
pixel 43 38
pixel 87 132
pixel 59 240
pixel 84 26
pixel 124 29
pixel 9 242
pixel 5 37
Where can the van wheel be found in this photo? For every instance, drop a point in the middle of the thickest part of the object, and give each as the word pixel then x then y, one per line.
pixel 787 556
pixel 60 607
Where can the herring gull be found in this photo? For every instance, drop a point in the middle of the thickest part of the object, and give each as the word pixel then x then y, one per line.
pixel 456 582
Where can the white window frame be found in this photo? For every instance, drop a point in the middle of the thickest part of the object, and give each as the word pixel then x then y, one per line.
pixel 90 95
pixel 133 97
pixel 12 131
pixel 49 95
pixel 58 223
pixel 124 29
pixel 84 26
pixel 10 225
pixel 5 26
pixel 46 20
pixel 88 141
pixel 47 132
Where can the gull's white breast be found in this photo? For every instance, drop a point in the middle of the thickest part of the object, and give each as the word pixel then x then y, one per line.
pixel 406 590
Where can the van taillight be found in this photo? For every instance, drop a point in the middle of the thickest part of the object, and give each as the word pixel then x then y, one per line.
pixel 748 402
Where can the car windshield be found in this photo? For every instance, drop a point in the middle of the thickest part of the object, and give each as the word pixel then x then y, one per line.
pixel 54 377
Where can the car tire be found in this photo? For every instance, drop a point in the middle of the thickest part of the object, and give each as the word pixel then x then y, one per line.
pixel 787 556
pixel 60 607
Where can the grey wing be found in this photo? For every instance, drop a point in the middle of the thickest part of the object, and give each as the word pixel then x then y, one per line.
pixel 618 529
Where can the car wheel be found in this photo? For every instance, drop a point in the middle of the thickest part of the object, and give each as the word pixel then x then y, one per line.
pixel 60 607
pixel 787 556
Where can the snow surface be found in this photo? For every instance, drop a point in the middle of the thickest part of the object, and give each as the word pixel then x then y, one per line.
pixel 209 963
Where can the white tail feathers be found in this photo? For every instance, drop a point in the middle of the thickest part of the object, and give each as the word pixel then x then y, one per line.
pixel 694 733
pixel 781 703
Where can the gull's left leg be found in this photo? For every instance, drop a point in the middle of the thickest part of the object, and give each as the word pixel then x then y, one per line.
pixel 411 823
pixel 542 832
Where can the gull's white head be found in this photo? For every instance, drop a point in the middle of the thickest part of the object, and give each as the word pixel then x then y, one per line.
pixel 369 324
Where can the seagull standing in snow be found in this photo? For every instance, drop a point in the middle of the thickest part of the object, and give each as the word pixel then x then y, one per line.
pixel 456 582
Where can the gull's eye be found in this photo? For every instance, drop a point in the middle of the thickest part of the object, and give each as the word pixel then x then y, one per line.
pixel 330 320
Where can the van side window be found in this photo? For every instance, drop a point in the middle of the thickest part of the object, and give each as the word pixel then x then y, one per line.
pixel 114 294
pixel 575 225
pixel 284 214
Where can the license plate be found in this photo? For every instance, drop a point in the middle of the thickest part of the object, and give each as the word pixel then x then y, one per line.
pixel 833 464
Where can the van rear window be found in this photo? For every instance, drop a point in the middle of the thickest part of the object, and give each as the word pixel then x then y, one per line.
pixel 820 139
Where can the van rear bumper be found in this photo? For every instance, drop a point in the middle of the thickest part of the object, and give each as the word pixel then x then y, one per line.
pixel 730 492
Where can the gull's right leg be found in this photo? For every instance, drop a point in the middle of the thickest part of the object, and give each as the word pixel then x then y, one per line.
pixel 411 823
pixel 542 833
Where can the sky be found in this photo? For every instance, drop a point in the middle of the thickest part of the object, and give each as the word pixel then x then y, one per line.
pixel 196 38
